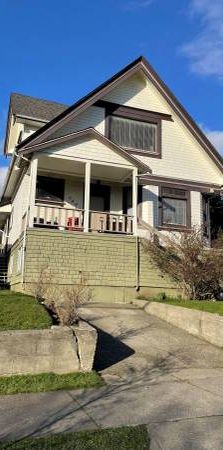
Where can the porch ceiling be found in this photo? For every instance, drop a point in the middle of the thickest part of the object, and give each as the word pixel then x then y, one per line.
pixel 77 168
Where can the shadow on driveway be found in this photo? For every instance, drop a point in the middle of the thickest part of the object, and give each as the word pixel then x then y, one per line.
pixel 109 351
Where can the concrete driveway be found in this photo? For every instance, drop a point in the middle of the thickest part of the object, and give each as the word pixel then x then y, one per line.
pixel 156 375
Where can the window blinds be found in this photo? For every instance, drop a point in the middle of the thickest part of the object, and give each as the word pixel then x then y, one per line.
pixel 133 134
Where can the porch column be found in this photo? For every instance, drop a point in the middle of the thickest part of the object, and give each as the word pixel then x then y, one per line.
pixel 134 198
pixel 32 192
pixel 87 195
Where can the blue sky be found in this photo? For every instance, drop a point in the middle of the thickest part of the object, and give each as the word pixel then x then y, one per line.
pixel 59 50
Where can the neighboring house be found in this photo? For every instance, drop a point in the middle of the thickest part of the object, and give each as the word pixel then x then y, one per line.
pixel 86 181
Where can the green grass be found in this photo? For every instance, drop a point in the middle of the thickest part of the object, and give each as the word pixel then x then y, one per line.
pixel 21 312
pixel 124 438
pixel 48 382
pixel 201 305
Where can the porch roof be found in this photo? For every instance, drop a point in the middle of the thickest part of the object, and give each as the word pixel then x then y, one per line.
pixel 89 133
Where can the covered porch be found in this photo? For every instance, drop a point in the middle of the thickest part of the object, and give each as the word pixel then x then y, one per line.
pixel 84 196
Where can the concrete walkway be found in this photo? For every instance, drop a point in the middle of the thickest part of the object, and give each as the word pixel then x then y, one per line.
pixel 156 375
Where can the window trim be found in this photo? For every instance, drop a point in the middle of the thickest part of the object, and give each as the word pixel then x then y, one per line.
pixel 187 198
pixel 154 154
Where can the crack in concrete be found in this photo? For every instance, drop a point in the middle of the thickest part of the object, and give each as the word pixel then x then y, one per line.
pixel 82 408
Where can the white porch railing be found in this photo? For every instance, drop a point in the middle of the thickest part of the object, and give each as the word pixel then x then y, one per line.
pixel 64 218
pixel 110 222
pixel 58 217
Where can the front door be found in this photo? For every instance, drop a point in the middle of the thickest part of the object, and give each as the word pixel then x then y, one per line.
pixel 99 197
pixel 127 200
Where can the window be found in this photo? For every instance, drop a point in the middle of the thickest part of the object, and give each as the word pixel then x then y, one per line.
pixel 175 208
pixel 133 134
pixel 50 189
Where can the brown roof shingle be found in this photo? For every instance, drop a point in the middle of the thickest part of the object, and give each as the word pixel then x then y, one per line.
pixel 35 108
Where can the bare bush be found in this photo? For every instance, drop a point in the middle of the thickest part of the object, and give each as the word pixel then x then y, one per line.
pixel 64 303
pixel 41 286
pixel 196 269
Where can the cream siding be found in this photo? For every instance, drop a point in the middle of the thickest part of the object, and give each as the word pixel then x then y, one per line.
pixel 93 117
pixel 89 149
pixel 150 199
pixel 182 156
pixel 19 207
pixel 196 209
pixel 138 92
pixel 15 129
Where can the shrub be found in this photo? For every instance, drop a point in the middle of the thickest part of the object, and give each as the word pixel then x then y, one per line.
pixel 196 269
pixel 64 303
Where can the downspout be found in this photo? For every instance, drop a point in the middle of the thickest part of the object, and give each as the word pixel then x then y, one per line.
pixel 24 248
pixel 137 244
pixel 137 241
pixel 137 262
pixel 25 233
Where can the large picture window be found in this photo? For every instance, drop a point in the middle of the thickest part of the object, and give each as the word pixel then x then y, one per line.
pixel 49 189
pixel 133 134
pixel 175 208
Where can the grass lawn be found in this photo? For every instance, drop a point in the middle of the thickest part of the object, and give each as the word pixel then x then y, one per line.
pixel 201 305
pixel 124 438
pixel 21 312
pixel 48 382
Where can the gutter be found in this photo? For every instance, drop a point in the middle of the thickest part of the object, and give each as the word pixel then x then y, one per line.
pixel 34 119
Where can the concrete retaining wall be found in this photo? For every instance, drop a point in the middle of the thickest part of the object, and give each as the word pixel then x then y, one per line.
pixel 202 324
pixel 58 350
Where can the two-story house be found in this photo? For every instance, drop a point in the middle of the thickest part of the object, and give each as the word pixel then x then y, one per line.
pixel 86 182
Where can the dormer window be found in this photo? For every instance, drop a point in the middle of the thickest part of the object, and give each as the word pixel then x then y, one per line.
pixel 136 130
pixel 134 134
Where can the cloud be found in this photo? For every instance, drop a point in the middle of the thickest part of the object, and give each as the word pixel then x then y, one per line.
pixel 3 171
pixel 205 50
pixel 132 5
pixel 215 136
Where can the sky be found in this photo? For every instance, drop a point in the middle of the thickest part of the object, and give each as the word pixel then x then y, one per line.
pixel 60 50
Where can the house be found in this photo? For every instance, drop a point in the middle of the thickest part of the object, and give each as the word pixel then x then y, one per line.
pixel 87 181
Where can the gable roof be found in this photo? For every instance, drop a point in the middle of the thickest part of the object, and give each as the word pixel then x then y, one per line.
pixel 140 64
pixel 35 108
pixel 32 108
pixel 92 133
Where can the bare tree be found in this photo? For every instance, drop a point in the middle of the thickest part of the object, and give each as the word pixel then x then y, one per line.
pixel 196 269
